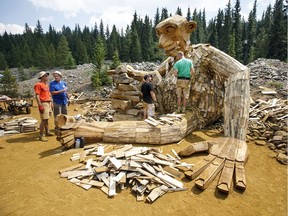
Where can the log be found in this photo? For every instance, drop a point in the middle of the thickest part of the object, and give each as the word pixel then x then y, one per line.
pixel 70 143
pixel 66 139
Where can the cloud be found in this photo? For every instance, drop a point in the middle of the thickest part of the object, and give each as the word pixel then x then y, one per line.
pixel 118 16
pixel 11 28
pixel 47 19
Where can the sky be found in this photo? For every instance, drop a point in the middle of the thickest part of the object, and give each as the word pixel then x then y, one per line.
pixel 15 13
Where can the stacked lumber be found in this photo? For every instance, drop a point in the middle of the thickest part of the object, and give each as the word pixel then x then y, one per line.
pixel 125 95
pixel 20 125
pixel 149 173
pixel 268 125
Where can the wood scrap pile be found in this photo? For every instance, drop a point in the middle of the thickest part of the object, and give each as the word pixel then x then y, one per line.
pixel 165 119
pixel 20 125
pixel 98 111
pixel 75 97
pixel 149 173
pixel 268 125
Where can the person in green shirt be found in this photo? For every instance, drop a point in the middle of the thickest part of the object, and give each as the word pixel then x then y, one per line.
pixel 183 70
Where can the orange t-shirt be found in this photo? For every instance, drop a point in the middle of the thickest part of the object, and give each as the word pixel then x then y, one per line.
pixel 42 90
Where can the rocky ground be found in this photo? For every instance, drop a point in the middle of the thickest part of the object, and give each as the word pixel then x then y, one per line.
pixel 270 73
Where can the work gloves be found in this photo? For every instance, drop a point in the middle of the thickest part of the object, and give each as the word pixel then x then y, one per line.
pixel 41 108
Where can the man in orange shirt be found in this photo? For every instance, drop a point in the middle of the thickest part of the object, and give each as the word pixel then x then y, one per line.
pixel 44 101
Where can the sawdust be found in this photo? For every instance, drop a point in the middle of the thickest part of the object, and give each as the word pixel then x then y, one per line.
pixel 30 184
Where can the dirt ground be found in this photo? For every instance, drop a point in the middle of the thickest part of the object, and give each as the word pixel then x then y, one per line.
pixel 31 184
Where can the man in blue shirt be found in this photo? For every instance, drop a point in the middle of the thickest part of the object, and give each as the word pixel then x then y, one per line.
pixel 183 70
pixel 58 89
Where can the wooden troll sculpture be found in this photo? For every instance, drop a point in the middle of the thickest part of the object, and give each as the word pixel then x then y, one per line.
pixel 221 84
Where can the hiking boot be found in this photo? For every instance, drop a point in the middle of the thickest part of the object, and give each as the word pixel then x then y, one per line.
pixel 49 134
pixel 43 139
pixel 183 109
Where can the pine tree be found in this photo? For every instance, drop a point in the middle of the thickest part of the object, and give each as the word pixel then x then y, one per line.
pixel 237 27
pixel 251 34
pixel 9 85
pixel 38 29
pixel 219 28
pixel 15 56
pixel 204 27
pixel 164 14
pixel 227 28
pixel 41 57
pixel 188 16
pixel 193 36
pixel 99 76
pixel 69 62
pixel 112 43
pixel 156 21
pixel 231 48
pixel 63 51
pixel 116 60
pixel 3 62
pixel 278 33
pixel 51 56
pixel 213 37
pixel 262 40
pixel 147 40
pixel 179 11
pixel 135 48
pixel 26 56
pixel 22 75
pixel 81 56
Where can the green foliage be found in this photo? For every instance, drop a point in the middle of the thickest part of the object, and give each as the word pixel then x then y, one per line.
pixel 32 71
pixel 264 38
pixel 26 56
pixel 27 94
pixel 63 52
pixel 278 33
pixel 99 54
pixel 3 62
pixel 100 78
pixel 22 75
pixel 95 79
pixel 276 84
pixel 41 57
pixel 9 85
pixel 105 79
pixel 69 62
pixel 116 60
pixel 51 56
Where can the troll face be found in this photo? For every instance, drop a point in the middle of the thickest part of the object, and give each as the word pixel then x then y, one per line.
pixel 174 34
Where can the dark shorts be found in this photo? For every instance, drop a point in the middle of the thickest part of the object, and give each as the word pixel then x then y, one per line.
pixel 59 109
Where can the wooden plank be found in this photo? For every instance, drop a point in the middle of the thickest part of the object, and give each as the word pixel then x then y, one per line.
pixel 151 122
pixel 176 155
pixel 155 193
pixel 70 168
pixel 101 169
pixel 112 185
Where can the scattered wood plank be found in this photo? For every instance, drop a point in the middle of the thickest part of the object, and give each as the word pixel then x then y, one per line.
pixel 140 167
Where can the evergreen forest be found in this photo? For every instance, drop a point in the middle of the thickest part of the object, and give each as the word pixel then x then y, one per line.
pixel 245 40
